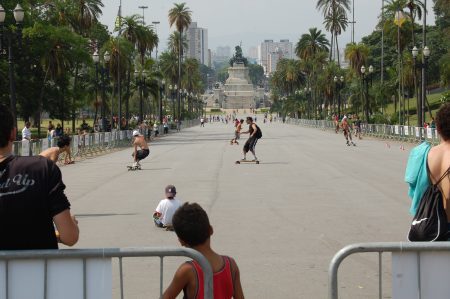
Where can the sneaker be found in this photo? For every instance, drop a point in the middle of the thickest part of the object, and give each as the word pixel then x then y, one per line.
pixel 135 164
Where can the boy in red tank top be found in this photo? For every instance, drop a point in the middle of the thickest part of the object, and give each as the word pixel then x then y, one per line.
pixel 192 227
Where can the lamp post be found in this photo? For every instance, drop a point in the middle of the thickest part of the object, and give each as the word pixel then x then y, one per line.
pixel 423 66
pixel 140 83
pixel 339 83
pixel 18 13
pixel 308 97
pixel 365 79
pixel 104 77
pixel 161 95
pixel 156 23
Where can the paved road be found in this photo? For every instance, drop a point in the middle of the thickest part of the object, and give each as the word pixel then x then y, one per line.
pixel 282 220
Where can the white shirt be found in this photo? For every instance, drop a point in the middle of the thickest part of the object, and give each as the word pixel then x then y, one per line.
pixel 167 208
pixel 26 134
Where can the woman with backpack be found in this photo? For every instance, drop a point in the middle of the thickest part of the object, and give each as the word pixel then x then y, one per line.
pixel 428 176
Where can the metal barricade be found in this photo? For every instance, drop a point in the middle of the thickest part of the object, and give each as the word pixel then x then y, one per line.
pixel 380 248
pixel 382 131
pixel 119 253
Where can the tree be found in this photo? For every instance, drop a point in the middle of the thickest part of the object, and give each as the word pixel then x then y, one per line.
pixel 311 43
pixel 335 14
pixel 336 22
pixel 180 17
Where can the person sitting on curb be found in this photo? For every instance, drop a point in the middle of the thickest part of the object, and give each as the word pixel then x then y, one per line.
pixel 63 147
pixel 166 208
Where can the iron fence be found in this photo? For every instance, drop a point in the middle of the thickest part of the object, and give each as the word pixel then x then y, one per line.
pixel 380 248
pixel 109 253
pixel 387 132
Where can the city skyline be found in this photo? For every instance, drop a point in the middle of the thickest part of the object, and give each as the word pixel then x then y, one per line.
pixel 232 22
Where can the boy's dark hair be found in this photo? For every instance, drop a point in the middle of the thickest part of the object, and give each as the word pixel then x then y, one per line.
pixel 191 224
pixel 63 141
pixel 241 121
pixel 443 121
pixel 249 118
pixel 6 125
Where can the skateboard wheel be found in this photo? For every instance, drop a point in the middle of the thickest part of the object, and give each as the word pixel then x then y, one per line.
pixel 257 162
pixel 237 162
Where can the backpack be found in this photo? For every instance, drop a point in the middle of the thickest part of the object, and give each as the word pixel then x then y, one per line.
pixel 430 222
pixel 258 134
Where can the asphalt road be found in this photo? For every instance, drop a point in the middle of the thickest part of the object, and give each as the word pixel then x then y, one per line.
pixel 282 220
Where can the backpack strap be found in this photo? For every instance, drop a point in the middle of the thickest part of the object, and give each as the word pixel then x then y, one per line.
pixel 443 176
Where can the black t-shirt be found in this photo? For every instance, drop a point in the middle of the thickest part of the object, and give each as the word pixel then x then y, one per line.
pixel 31 194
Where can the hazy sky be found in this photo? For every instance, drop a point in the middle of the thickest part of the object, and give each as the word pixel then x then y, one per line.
pixel 251 21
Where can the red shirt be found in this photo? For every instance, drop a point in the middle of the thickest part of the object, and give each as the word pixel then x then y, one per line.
pixel 222 281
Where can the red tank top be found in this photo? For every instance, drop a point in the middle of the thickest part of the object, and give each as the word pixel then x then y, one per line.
pixel 222 281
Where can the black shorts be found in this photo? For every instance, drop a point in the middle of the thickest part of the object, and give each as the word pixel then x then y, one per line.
pixel 250 144
pixel 142 154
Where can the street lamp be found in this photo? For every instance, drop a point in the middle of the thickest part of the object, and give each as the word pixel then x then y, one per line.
pixel 104 77
pixel 161 95
pixel 18 13
pixel 365 79
pixel 339 83
pixel 423 66
pixel 140 83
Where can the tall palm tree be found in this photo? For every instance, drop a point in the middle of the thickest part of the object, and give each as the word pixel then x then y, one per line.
pixel 180 17
pixel 336 22
pixel 337 9
pixel 83 14
pixel 311 43
pixel 174 42
pixel 357 55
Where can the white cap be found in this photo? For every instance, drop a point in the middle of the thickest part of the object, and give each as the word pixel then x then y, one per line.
pixel 136 133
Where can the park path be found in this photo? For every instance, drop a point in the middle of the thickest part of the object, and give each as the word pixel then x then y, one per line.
pixel 282 220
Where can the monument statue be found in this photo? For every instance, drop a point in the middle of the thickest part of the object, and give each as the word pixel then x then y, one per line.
pixel 238 58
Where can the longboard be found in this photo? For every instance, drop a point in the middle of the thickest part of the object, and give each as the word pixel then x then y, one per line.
pixel 134 168
pixel 246 161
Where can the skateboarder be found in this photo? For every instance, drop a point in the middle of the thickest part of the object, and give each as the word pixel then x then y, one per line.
pixel 63 147
pixel 255 134
pixel 237 132
pixel 139 141
pixel 346 128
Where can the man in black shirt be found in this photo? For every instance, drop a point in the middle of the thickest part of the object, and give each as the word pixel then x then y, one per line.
pixel 250 145
pixel 32 199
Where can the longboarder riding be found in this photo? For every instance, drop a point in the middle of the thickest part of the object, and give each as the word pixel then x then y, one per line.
pixel 139 141
pixel 255 134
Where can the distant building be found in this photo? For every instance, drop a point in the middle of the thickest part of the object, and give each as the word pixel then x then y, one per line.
pixel 270 52
pixel 197 40
pixel 223 52
pixel 253 53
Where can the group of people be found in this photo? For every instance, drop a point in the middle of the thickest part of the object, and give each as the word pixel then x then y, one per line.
pixel 36 211
pixel 347 128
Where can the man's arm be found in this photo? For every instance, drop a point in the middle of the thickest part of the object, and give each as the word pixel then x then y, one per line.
pixel 238 292
pixel 179 281
pixel 67 227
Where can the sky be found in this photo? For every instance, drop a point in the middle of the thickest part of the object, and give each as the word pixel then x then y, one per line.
pixel 230 22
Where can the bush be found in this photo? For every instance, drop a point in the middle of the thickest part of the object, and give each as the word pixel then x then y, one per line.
pixel 264 110
pixel 217 110
pixel 380 119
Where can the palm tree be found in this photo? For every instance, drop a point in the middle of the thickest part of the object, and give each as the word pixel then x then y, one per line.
pixel 180 17
pixel 174 42
pixel 83 14
pixel 357 55
pixel 337 9
pixel 311 43
pixel 169 66
pixel 336 22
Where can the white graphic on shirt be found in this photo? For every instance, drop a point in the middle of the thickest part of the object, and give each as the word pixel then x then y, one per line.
pixel 418 222
pixel 18 180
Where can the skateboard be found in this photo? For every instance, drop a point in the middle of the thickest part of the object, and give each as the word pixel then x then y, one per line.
pixel 247 161
pixel 134 168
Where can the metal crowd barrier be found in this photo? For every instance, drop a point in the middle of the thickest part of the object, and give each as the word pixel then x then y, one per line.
pixel 88 144
pixel 387 132
pixel 380 248
pixel 119 253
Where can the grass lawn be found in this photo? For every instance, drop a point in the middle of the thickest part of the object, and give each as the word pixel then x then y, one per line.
pixel 433 100
pixel 44 125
